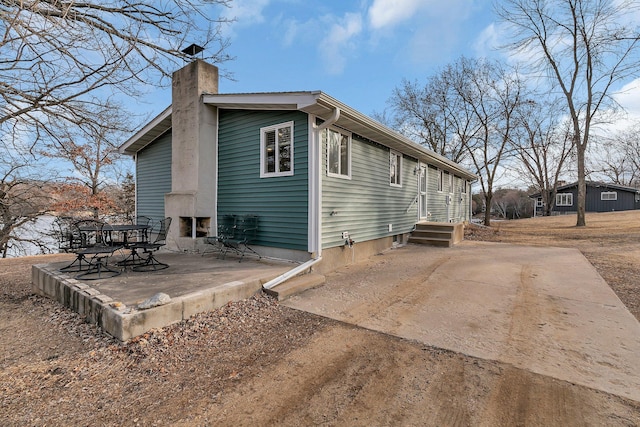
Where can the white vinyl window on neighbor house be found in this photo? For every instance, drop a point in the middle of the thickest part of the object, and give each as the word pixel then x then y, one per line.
pixel 276 150
pixel 609 195
pixel 440 180
pixel 395 169
pixel 564 199
pixel 338 153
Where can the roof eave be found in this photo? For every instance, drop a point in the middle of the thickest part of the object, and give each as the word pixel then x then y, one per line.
pixel 145 136
pixel 311 102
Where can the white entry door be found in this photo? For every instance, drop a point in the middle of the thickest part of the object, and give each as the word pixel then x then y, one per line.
pixel 422 192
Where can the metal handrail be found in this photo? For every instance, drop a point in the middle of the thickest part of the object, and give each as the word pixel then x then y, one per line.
pixel 414 201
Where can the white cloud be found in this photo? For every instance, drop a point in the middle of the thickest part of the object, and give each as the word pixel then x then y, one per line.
pixel 387 13
pixel 629 99
pixel 488 41
pixel 340 41
pixel 247 12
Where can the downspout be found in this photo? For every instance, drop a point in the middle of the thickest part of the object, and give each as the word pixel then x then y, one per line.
pixel 308 264
pixel 331 120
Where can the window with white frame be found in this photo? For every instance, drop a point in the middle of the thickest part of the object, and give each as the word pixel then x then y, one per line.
pixel 276 150
pixel 338 153
pixel 609 195
pixel 539 202
pixel 395 168
pixel 440 180
pixel 463 186
pixel 564 199
pixel 450 182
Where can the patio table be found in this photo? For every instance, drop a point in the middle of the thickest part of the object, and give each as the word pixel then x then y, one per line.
pixel 125 229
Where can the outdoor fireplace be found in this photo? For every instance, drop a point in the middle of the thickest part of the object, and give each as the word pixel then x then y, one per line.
pixel 194 227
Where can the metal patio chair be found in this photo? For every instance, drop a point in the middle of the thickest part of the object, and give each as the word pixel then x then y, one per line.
pixel 83 235
pixel 226 230
pixel 245 231
pixel 150 262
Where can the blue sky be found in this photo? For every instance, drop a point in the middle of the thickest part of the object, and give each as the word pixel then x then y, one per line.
pixel 354 50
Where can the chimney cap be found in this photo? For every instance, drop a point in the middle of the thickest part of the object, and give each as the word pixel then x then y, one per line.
pixel 192 49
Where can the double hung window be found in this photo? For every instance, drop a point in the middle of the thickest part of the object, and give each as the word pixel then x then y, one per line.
pixel 338 153
pixel 564 199
pixel 276 150
pixel 395 169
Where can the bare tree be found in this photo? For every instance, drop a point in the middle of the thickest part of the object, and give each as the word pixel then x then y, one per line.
pixel 512 203
pixel 492 95
pixel 617 157
pixel 586 47
pixel 61 58
pixel 92 150
pixel 544 143
pixel 23 200
pixel 432 115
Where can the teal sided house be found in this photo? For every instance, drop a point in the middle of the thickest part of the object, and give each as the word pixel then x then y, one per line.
pixel 315 171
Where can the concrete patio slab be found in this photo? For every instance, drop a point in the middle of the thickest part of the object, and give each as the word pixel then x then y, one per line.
pixel 546 310
pixel 194 283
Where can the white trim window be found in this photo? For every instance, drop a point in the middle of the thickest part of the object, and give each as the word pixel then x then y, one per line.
pixel 276 150
pixel 451 181
pixel 463 186
pixel 539 202
pixel 440 180
pixel 564 199
pixel 395 169
pixel 338 153
pixel 609 195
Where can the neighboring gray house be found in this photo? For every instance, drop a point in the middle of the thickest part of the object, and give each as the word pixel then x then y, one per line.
pixel 601 197
pixel 309 166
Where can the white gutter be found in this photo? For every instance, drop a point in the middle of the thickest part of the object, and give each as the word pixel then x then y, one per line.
pixel 291 273
pixel 331 120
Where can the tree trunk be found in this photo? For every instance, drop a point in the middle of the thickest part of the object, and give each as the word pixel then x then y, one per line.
pixel 582 187
pixel 487 212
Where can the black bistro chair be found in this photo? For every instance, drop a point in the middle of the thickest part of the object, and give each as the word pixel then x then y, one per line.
pixel 244 233
pixel 226 230
pixel 150 262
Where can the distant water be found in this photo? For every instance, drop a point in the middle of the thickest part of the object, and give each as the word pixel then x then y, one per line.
pixel 41 230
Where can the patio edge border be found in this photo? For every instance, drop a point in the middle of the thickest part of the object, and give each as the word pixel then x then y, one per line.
pixel 124 322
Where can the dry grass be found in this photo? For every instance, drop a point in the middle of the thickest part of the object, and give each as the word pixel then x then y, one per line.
pixel 610 241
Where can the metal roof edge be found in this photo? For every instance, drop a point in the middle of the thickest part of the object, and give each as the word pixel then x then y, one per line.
pixel 123 149
pixel 303 101
pixel 379 127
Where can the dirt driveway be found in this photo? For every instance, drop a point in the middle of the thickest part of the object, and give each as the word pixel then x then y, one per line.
pixel 546 310
pixel 257 362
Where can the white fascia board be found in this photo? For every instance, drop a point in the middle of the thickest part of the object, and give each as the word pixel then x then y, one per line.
pixel 263 101
pixel 319 103
pixel 144 131
pixel 401 142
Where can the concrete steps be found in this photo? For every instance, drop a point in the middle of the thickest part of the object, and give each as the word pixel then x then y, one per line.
pixel 296 285
pixel 437 234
